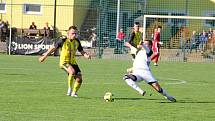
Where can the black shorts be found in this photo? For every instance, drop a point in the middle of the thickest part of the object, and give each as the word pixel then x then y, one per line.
pixel 75 67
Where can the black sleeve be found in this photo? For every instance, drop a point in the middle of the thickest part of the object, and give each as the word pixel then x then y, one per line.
pixel 80 48
pixel 59 43
pixel 130 41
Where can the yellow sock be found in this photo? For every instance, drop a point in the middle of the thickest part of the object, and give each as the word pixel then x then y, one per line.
pixel 70 80
pixel 76 87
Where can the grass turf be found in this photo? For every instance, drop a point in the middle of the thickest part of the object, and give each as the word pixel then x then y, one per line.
pixel 30 91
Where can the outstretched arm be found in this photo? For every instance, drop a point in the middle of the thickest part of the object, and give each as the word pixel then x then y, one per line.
pixel 81 50
pixel 46 54
pixel 129 43
pixel 86 55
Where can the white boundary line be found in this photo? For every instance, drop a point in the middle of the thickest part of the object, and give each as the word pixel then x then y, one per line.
pixel 178 81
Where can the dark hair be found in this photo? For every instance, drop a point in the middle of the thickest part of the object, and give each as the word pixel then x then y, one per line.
pixel 137 23
pixel 72 27
pixel 160 26
pixel 150 42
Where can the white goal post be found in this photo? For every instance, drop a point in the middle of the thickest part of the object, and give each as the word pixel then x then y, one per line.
pixel 172 17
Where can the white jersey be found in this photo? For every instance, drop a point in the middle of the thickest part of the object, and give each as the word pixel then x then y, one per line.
pixel 141 66
pixel 142 60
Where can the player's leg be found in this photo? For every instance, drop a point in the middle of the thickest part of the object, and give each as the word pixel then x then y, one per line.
pixel 70 70
pixel 154 49
pixel 70 79
pixel 149 78
pixel 156 54
pixel 78 80
pixel 155 59
pixel 131 81
pixel 77 85
pixel 158 88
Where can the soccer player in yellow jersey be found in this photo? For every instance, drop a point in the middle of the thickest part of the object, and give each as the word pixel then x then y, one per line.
pixel 135 39
pixel 68 47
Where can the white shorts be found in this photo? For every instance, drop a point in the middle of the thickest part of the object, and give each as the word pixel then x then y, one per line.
pixel 144 75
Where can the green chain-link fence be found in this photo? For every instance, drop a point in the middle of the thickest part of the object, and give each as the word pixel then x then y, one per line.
pixel 100 21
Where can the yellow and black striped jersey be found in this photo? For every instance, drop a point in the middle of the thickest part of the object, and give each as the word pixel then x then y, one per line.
pixel 68 50
pixel 135 39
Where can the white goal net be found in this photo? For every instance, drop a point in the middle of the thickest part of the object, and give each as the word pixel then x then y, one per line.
pixel 184 36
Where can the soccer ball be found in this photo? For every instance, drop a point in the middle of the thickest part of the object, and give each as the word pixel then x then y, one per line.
pixel 108 97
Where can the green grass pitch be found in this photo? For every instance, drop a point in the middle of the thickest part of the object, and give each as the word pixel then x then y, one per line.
pixel 30 91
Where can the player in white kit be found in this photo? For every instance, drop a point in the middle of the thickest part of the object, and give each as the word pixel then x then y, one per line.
pixel 141 71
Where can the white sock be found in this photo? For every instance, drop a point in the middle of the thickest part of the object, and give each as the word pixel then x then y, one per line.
pixel 132 84
pixel 69 91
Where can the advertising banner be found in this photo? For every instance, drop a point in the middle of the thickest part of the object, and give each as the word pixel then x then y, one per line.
pixel 30 46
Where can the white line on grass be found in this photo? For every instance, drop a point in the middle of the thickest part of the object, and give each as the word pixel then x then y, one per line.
pixel 175 81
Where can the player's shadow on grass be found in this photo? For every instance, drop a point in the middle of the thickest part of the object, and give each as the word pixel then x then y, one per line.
pixel 190 101
pixel 125 98
pixel 165 100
